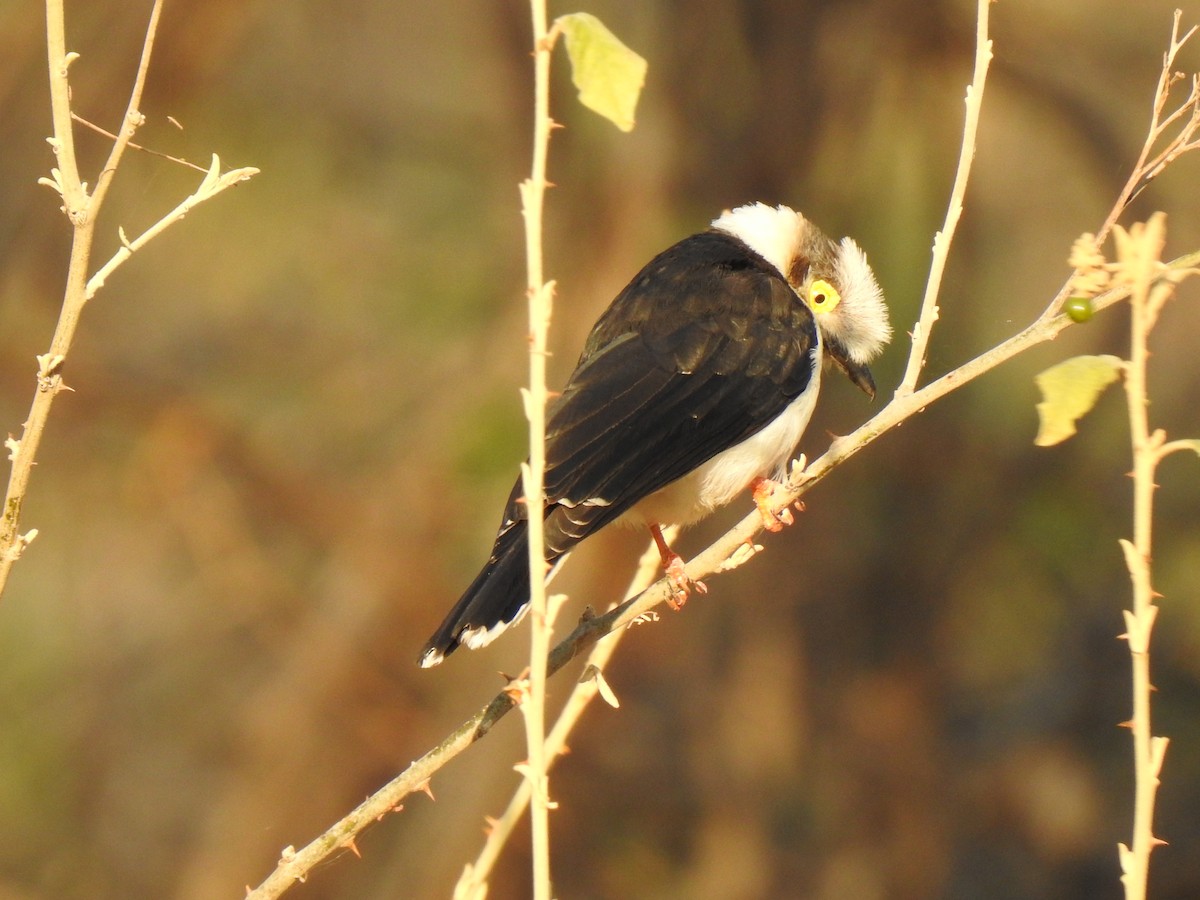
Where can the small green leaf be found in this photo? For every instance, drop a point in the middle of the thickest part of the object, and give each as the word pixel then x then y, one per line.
pixel 608 75
pixel 1069 391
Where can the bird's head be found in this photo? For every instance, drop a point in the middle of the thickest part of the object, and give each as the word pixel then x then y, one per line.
pixel 832 277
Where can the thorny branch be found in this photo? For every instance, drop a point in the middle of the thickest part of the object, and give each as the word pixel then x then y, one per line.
pixel 1146 169
pixel 1138 264
pixel 82 210
pixel 473 883
pixel 941 241
pixel 541 612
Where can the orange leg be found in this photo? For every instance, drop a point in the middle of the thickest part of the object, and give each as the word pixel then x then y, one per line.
pixel 681 584
pixel 763 491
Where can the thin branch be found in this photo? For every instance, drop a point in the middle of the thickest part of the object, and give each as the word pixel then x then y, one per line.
pixel 133 116
pixel 1146 169
pixel 63 142
pixel 132 146
pixel 941 241
pixel 1139 251
pixel 215 181
pixel 540 292
pixel 1183 142
pixel 82 212
pixel 1176 446
pixel 473 883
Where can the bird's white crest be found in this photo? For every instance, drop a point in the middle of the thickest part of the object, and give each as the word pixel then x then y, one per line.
pixel 778 234
pixel 774 233
pixel 860 321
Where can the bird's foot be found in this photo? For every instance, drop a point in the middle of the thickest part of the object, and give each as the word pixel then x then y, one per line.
pixel 774 517
pixel 681 584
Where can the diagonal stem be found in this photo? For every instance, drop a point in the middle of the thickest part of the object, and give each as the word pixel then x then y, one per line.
pixel 133 116
pixel 941 241
pixel 475 878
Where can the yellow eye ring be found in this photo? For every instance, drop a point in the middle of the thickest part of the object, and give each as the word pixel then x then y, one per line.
pixel 823 296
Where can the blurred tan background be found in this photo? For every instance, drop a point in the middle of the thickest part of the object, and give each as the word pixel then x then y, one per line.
pixel 296 419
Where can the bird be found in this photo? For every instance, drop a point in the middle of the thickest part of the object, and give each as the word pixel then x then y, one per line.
pixel 695 385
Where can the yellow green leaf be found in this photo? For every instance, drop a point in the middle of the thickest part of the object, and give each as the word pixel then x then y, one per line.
pixel 1069 391
pixel 608 75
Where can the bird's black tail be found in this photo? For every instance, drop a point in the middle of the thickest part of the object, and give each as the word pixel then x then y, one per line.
pixel 497 598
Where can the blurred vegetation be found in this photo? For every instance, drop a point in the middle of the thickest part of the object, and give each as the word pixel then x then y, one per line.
pixel 296 420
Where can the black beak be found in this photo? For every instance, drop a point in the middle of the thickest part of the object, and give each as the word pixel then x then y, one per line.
pixel 856 372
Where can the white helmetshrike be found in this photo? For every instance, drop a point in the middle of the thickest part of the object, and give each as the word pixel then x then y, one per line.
pixel 694 385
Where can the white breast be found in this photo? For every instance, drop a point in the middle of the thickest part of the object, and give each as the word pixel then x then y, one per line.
pixel 764 454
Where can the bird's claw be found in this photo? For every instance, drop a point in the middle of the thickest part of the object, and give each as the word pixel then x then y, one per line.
pixel 763 491
pixel 681 584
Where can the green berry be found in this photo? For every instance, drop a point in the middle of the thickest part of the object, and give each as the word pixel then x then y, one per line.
pixel 1079 309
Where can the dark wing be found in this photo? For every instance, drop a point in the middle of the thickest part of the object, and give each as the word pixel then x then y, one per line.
pixel 707 345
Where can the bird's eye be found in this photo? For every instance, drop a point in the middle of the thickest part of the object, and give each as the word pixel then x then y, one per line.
pixel 823 296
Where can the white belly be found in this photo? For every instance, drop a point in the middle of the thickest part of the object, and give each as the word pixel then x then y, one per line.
pixel 764 454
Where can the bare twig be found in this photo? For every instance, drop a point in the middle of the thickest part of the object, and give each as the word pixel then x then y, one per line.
pixel 133 115
pixel 108 134
pixel 1184 140
pixel 215 181
pixel 541 293
pixel 63 142
pixel 473 883
pixel 941 241
pixel 82 210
